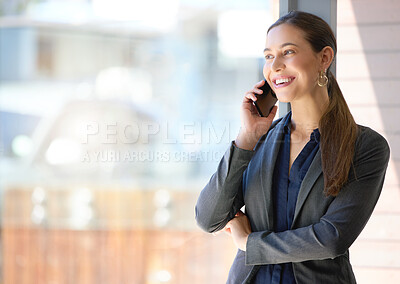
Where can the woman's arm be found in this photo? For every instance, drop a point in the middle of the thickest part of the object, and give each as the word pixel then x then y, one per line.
pixel 344 220
pixel 222 197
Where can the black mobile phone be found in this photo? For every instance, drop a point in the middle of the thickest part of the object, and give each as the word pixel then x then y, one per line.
pixel 266 101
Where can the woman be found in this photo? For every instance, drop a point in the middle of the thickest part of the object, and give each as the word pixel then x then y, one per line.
pixel 309 180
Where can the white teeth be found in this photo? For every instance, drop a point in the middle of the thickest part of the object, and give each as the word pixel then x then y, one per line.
pixel 283 80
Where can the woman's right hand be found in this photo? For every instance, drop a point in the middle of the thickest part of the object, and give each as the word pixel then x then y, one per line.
pixel 253 126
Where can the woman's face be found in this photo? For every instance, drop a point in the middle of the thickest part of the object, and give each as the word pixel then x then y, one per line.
pixel 291 66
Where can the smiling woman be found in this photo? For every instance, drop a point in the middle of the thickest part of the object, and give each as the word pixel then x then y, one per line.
pixel 309 181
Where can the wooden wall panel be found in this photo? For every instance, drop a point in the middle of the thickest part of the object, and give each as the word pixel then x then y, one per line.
pixel 112 250
pixel 367 71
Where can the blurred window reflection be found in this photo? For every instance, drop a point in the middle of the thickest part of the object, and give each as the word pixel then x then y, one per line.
pixel 113 116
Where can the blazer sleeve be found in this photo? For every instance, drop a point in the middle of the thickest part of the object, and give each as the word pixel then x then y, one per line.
pixel 344 220
pixel 222 197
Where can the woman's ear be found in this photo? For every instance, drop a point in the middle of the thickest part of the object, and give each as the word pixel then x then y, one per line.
pixel 326 57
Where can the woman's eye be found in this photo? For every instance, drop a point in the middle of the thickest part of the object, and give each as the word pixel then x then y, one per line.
pixel 289 51
pixel 269 56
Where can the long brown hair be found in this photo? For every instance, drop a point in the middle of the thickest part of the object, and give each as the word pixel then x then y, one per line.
pixel 337 126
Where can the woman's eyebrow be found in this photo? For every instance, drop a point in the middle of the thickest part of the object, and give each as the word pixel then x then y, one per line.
pixel 282 45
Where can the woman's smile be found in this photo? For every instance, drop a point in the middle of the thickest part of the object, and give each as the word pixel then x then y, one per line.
pixel 280 82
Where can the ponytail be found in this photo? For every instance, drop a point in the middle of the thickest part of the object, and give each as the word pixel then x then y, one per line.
pixel 338 136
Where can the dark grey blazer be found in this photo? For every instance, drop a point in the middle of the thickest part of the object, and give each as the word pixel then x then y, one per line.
pixel 323 227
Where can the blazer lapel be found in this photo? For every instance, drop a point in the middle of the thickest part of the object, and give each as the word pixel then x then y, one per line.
pixel 311 177
pixel 273 142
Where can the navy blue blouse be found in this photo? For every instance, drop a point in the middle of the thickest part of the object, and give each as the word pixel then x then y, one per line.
pixel 286 187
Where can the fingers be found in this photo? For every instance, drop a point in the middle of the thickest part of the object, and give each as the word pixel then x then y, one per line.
pixel 250 95
pixel 257 87
pixel 260 84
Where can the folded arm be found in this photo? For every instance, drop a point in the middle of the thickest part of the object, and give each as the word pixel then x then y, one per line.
pixel 222 197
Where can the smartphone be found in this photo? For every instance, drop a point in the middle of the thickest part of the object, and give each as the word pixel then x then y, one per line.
pixel 266 101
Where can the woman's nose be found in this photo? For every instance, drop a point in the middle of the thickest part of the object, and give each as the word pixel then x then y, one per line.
pixel 277 64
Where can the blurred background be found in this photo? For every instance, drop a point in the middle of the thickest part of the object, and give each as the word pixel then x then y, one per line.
pixel 115 114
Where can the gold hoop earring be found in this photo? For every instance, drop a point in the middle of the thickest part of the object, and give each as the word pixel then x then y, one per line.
pixel 322 79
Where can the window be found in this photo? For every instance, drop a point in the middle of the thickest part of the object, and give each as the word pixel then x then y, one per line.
pixel 113 118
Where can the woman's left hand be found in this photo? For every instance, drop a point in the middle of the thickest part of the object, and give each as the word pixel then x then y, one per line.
pixel 239 229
